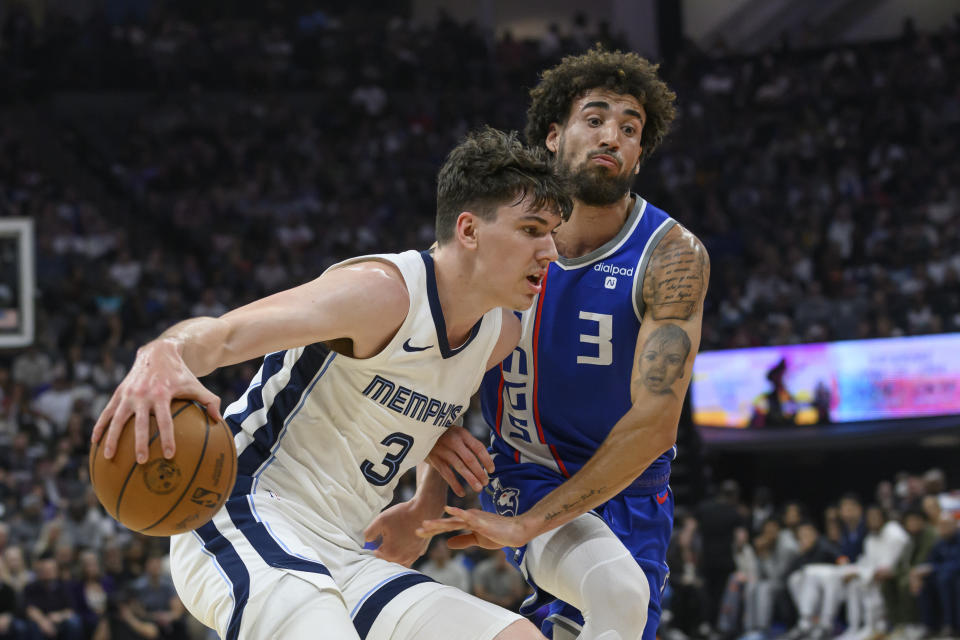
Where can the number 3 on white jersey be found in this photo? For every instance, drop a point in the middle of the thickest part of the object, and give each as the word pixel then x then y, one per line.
pixel 603 338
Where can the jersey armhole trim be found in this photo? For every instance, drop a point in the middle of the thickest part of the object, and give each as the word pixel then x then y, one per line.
pixel 408 270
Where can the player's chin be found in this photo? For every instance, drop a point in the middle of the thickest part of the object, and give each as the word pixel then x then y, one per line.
pixel 522 302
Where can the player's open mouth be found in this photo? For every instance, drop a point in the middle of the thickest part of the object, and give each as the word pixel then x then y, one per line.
pixel 535 281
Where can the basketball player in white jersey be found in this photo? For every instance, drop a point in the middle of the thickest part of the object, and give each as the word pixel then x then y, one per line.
pixel 366 367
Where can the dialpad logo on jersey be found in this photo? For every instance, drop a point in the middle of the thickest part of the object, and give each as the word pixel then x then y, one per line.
pixel 610 282
pixel 613 270
pixel 505 499
pixel 408 402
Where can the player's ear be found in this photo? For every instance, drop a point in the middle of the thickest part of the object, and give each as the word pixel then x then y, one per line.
pixel 636 169
pixel 467 228
pixel 553 137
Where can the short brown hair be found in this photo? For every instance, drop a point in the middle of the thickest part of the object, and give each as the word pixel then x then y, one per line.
pixel 623 73
pixel 489 169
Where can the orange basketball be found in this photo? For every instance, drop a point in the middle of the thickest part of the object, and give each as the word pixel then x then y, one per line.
pixel 163 497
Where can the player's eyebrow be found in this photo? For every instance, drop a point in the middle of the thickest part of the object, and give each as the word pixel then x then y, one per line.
pixel 599 104
pixel 602 104
pixel 534 217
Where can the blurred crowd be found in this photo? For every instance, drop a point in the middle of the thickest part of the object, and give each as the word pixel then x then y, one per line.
pixel 768 569
pixel 823 181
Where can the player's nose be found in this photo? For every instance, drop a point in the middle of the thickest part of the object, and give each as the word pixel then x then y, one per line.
pixel 548 250
pixel 609 135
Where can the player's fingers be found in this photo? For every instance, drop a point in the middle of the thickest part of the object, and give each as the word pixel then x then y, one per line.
pixel 104 420
pixel 450 477
pixel 372 532
pixel 456 512
pixel 463 541
pixel 390 556
pixel 141 432
pixel 165 425
pixel 210 400
pixel 117 422
pixel 440 525
pixel 456 461
pixel 467 458
pixel 481 453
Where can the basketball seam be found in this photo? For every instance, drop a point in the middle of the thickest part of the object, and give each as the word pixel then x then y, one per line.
pixel 196 469
pixel 135 464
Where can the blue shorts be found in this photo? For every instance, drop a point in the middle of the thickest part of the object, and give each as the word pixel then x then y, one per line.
pixel 641 517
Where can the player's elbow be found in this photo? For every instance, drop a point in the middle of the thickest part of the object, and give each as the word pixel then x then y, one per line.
pixel 666 437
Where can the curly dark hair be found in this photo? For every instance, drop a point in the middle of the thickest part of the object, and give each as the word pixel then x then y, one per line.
pixel 490 168
pixel 623 73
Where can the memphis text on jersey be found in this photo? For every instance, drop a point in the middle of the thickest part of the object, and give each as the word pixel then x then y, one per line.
pixel 408 402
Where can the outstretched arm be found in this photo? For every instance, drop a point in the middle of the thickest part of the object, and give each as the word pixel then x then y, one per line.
pixel 365 302
pixel 674 288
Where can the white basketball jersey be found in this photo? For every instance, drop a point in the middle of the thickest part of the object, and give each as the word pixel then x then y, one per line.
pixel 328 436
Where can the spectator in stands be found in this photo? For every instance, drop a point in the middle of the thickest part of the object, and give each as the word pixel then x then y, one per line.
pixel 16 572
pixel 775 554
pixel 115 568
pixel 718 518
pixel 154 591
pixel 937 581
pixel 853 529
pixel 813 583
pixel 882 548
pixel 900 602
pixel 688 599
pixel 26 524
pixel 496 581
pixel 125 619
pixel 11 626
pixel 91 591
pixel 444 567
pixel 746 573
pixel 761 509
pixel 49 603
pixel 33 368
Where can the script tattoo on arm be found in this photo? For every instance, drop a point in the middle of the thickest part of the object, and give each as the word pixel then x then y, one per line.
pixel 663 359
pixel 677 276
pixel 564 508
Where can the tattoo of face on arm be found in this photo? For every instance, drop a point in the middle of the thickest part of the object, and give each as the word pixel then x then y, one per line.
pixel 663 359
pixel 676 277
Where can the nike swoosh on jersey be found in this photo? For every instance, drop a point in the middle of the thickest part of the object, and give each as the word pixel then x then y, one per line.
pixel 663 498
pixel 412 349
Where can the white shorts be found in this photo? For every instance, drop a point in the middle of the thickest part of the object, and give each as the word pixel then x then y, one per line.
pixel 234 575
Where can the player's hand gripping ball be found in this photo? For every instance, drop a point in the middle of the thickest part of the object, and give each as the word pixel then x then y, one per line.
pixel 164 497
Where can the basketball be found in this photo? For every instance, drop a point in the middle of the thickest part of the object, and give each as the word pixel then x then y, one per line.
pixel 164 497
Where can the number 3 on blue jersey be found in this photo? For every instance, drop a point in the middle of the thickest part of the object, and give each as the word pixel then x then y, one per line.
pixel 603 338
pixel 391 461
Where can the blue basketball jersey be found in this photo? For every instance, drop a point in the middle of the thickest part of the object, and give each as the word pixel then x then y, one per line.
pixel 558 395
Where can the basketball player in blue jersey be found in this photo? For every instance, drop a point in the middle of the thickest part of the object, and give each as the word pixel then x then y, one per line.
pixel 585 410
pixel 366 367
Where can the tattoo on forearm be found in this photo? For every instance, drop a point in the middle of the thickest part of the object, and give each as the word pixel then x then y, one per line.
pixel 663 359
pixel 567 507
pixel 676 277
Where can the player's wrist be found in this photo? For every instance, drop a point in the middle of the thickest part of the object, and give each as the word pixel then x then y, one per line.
pixel 530 526
pixel 427 505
